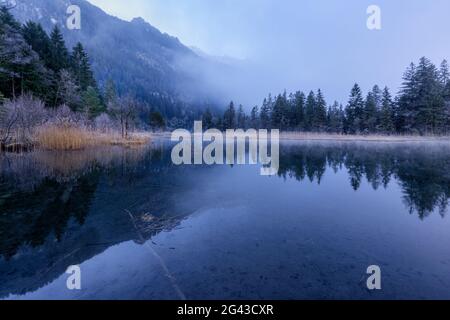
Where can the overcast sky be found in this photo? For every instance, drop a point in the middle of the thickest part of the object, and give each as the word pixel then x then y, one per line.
pixel 305 44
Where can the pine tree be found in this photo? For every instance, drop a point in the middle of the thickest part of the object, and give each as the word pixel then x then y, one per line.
pixel 207 119
pixel 277 112
pixel 8 19
pixel 446 97
pixel 444 74
pixel 229 118
pixel 335 118
pixel 299 110
pixel 32 62
pixel 280 115
pixel 378 96
pixel 444 78
pixel 265 114
pixel 354 111
pixel 387 125
pixel 21 69
pixel 81 68
pixel 421 105
pixel 254 118
pixel 241 118
pixel 310 108
pixel 407 100
pixel 370 113
pixel 286 112
pixel 430 108
pixel 39 41
pixel 156 120
pixel 59 55
pixel 92 103
pixel 320 112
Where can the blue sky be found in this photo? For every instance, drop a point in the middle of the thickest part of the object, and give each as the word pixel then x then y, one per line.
pixel 305 44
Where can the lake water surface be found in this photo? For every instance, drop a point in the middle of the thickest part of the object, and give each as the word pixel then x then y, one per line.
pixel 140 227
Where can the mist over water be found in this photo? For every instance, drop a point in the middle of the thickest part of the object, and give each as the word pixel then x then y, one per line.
pixel 298 45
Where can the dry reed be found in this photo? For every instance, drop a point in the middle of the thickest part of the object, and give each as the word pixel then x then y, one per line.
pixel 77 138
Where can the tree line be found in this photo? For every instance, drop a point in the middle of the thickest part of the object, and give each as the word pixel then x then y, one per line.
pixel 42 81
pixel 35 62
pixel 421 107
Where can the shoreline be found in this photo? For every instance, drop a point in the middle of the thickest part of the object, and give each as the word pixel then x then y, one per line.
pixel 58 141
pixel 360 138
pixel 137 139
pixel 305 136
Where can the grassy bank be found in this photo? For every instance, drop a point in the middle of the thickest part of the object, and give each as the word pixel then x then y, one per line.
pixel 68 138
pixel 27 124
pixel 77 138
pixel 54 137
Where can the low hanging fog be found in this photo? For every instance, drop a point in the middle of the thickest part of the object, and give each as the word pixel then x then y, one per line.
pixel 259 46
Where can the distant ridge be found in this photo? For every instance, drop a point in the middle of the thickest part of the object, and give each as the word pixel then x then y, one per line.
pixel 140 59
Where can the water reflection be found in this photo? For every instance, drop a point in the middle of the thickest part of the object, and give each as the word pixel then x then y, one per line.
pixel 423 171
pixel 45 198
pixel 42 191
pixel 59 209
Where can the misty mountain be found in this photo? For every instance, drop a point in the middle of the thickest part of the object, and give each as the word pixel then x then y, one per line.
pixel 153 66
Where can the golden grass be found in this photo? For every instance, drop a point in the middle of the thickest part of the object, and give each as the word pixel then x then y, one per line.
pixel 65 138
pixel 78 138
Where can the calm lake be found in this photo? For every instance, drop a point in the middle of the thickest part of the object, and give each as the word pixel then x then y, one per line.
pixel 140 227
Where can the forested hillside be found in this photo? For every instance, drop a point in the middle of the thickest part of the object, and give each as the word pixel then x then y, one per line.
pixel 34 62
pixel 50 97
pixel 142 61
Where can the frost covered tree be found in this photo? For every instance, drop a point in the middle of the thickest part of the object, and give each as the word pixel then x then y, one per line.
pixel 354 111
pixel 387 125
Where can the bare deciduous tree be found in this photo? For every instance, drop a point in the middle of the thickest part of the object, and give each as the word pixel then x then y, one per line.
pixel 19 118
pixel 67 90
pixel 104 123
pixel 124 111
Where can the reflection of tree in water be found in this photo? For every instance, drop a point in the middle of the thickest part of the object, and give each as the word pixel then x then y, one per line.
pixel 426 183
pixel 41 192
pixel 29 218
pixel 422 171
pixel 44 234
